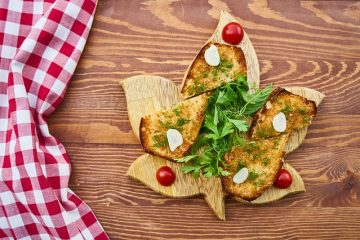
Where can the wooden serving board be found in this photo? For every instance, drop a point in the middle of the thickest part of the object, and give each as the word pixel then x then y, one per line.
pixel 146 94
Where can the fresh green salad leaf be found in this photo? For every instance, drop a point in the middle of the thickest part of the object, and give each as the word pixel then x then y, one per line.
pixel 229 110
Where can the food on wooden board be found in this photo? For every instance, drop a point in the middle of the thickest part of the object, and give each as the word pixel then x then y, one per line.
pixel 283 179
pixel 232 33
pixel 203 77
pixel 170 132
pixel 220 142
pixel 262 158
pixel 282 105
pixel 165 176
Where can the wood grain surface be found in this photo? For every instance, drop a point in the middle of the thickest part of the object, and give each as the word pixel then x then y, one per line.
pixel 298 43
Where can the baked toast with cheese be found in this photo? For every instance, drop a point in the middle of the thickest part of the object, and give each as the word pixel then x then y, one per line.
pixel 298 110
pixel 263 159
pixel 201 77
pixel 185 117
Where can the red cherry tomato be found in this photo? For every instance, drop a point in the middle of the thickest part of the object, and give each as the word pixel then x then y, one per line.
pixel 165 176
pixel 233 33
pixel 283 179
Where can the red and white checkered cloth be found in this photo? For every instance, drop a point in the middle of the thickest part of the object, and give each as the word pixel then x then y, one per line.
pixel 40 45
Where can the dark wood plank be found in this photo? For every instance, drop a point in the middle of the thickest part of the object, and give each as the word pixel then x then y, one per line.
pixel 136 222
pixel 113 127
pixel 331 176
pixel 98 88
pixel 302 43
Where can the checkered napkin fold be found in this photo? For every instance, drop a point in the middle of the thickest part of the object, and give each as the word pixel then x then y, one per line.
pixel 40 45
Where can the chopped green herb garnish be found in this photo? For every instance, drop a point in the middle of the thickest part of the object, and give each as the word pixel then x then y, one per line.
pixel 287 109
pixel 223 67
pixel 302 111
pixel 265 161
pixel 256 156
pixel 197 87
pixel 253 175
pixel 166 124
pixel 276 142
pixel 160 141
pixel 241 165
pixel 228 110
pixel 205 74
pixel 226 64
pixel 181 122
pixel 264 133
pixel 214 72
pixel 177 111
pixel 306 119
pixel 250 147
pixel 259 183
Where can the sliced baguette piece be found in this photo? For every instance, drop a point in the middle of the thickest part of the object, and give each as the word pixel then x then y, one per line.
pixel 263 159
pixel 185 117
pixel 202 77
pixel 298 111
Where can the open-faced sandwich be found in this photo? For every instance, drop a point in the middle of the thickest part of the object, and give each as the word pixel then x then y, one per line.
pixel 215 65
pixel 170 132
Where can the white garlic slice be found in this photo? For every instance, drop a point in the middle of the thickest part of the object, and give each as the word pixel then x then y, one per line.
pixel 174 138
pixel 212 56
pixel 279 122
pixel 241 175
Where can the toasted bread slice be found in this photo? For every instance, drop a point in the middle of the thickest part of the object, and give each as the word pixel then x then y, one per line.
pixel 299 113
pixel 202 77
pixel 186 117
pixel 262 158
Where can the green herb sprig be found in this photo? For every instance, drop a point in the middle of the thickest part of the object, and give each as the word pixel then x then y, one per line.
pixel 227 115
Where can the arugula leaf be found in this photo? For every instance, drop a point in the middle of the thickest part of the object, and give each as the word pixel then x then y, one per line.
pixel 216 116
pixel 256 101
pixel 186 158
pixel 187 169
pixel 209 123
pixel 227 129
pixel 239 124
pixel 196 172
pixel 242 81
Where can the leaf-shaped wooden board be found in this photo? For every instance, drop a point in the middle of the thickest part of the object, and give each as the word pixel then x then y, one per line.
pixel 146 94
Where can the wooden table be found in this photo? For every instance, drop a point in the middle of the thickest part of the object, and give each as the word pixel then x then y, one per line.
pixel 301 43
